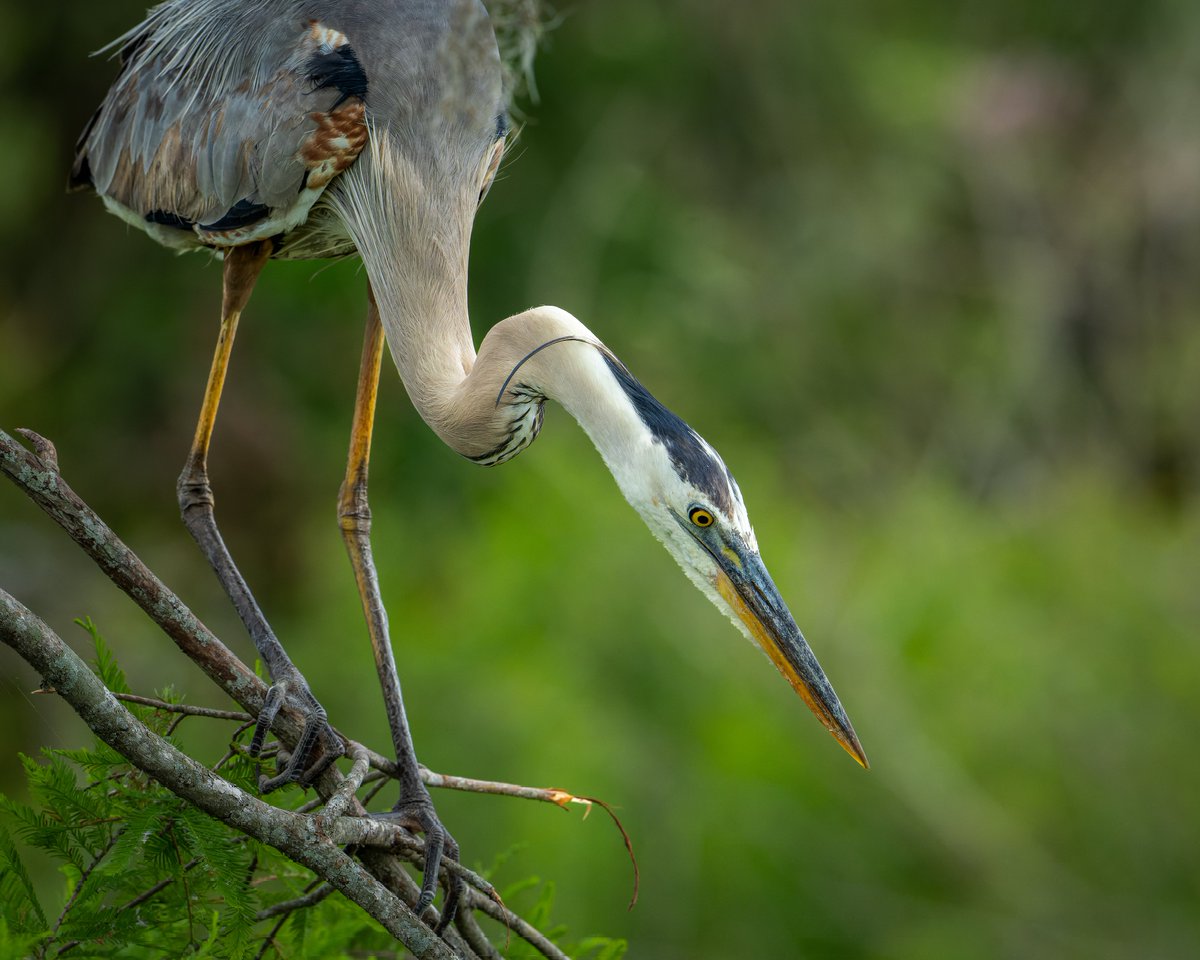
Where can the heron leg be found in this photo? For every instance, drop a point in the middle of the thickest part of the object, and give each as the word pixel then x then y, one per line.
pixel 415 808
pixel 242 267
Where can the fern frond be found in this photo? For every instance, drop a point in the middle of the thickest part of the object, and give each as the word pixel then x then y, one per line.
pixel 18 900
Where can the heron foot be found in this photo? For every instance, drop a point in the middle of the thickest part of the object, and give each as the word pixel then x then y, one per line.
pixel 316 728
pixel 418 815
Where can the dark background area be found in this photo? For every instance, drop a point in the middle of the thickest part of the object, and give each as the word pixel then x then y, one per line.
pixel 923 272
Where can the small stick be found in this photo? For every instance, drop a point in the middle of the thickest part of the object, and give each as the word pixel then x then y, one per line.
pixel 185 708
pixel 310 899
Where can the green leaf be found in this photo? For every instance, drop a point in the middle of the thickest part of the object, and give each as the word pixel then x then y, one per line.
pixel 227 862
pixel 606 947
pixel 18 899
pixel 105 663
pixel 16 943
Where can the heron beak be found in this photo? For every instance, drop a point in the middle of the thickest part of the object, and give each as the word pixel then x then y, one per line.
pixel 742 580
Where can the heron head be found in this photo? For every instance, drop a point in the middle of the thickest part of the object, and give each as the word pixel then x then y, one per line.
pixel 682 489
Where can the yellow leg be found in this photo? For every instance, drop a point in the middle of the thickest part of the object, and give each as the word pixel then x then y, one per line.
pixel 242 267
pixel 414 808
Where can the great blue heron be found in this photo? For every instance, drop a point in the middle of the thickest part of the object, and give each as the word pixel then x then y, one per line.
pixel 324 128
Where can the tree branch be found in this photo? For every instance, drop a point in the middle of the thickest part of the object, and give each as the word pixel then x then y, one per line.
pixel 39 479
pixel 296 836
pixel 384 889
pixel 309 899
pixel 184 708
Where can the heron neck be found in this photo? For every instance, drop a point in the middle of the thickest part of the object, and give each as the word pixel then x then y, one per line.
pixel 421 293
pixel 495 409
pixel 410 218
pixel 413 233
pixel 488 406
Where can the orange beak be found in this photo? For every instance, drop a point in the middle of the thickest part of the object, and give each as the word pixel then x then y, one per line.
pixel 744 583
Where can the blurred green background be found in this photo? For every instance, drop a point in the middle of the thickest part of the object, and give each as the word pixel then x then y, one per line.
pixel 924 272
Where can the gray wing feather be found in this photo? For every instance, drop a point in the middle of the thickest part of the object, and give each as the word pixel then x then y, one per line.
pixel 210 108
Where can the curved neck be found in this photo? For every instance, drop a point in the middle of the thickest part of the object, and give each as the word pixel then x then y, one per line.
pixel 411 222
pixel 489 408
pixel 412 227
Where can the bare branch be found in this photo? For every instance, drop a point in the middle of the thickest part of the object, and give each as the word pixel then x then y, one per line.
pixel 384 888
pixel 560 798
pixel 185 708
pixel 526 931
pixel 40 480
pixel 293 835
pixel 288 906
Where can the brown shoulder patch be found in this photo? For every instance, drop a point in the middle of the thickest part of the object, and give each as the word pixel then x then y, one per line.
pixel 339 138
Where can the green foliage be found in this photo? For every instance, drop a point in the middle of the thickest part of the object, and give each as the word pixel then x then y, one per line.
pixel 149 876
pixel 144 872
pixel 924 273
pixel 14 945
pixel 105 663
pixel 519 25
pixel 16 889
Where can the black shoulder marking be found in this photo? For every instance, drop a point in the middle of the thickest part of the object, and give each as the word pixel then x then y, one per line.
pixel 688 454
pixel 81 172
pixel 168 219
pixel 340 70
pixel 502 126
pixel 241 214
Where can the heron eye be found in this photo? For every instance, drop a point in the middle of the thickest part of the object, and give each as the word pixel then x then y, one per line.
pixel 700 517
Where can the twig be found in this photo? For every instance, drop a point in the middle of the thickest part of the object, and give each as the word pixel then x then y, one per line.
pixel 560 798
pixel 526 931
pixel 187 893
pixel 299 903
pixel 44 449
pixel 337 805
pixel 232 751
pixel 136 901
pixel 269 940
pixel 469 927
pixel 294 836
pixel 185 708
pixel 376 788
pixel 112 839
pixel 157 888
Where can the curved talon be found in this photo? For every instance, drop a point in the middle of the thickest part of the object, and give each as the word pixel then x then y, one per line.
pixel 316 723
pixel 306 778
pixel 455 894
pixel 435 842
pixel 266 717
pixel 419 816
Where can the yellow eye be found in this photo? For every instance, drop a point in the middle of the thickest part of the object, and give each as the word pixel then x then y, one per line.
pixel 700 517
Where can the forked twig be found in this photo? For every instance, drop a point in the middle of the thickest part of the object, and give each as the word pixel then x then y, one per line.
pixel 312 841
pixel 560 798
pixel 184 708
